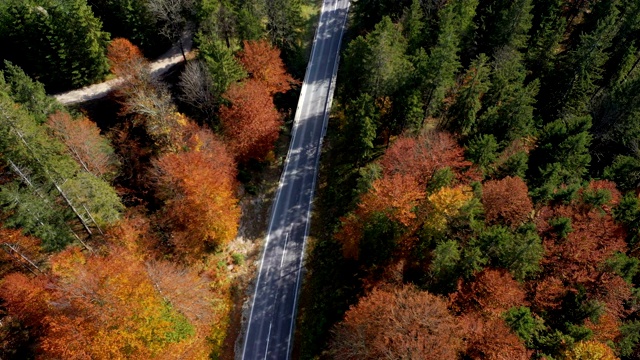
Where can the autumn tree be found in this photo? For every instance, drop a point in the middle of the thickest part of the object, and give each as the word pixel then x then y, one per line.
pixel 492 339
pixel 590 350
pixel 392 197
pixel 421 156
pixel 251 123
pixel 144 98
pixel 263 63
pixel 397 323
pixel 492 292
pixel 198 186
pixel 19 252
pixel 506 201
pixel 125 59
pixel 85 144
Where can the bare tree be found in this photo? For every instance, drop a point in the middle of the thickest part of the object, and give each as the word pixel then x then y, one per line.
pixel 173 15
pixel 197 88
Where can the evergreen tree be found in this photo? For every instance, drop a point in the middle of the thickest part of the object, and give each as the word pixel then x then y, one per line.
pixel 461 117
pixel 368 13
pixel 435 72
pixel 249 16
pixel 28 93
pixel 50 181
pixel 509 102
pixel 544 44
pixel 130 19
pixel 503 23
pixel 413 26
pixel 383 67
pixel 581 69
pixel 283 21
pixel 361 129
pixel 62 43
pixel 222 66
pixel 561 156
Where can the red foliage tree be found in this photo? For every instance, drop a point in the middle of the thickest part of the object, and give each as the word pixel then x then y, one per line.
pixel 125 58
pixel 548 292
pixel 396 196
pixel 506 201
pixel 593 239
pixel 85 144
pixel 263 63
pixel 19 252
pixel 491 339
pixel 199 189
pixel 26 298
pixel 401 323
pixel 491 293
pixel 420 157
pixel 251 123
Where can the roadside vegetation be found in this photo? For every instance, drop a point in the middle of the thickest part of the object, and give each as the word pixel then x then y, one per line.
pixel 119 240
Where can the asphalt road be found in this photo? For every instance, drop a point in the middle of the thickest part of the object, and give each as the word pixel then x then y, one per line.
pixel 270 328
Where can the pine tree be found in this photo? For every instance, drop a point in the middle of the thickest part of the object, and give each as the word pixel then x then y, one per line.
pixel 461 117
pixel 71 53
pixel 509 102
pixel 582 69
pixel 380 58
pixel 435 72
pixel 361 129
pixel 561 156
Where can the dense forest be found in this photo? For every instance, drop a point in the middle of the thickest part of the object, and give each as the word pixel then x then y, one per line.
pixel 479 190
pixel 115 232
pixel 478 196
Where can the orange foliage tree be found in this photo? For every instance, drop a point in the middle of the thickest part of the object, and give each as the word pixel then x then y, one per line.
pixel 491 339
pixel 402 323
pixel 590 237
pixel 125 58
pixel 506 201
pixel 19 252
pixel 198 187
pixel 492 292
pixel 420 157
pixel 263 63
pixel 395 196
pixel 251 123
pixel 112 307
pixel 85 144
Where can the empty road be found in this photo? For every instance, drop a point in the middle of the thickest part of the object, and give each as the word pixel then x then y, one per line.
pixel 273 306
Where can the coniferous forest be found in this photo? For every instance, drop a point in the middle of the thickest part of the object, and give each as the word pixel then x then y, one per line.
pixel 478 194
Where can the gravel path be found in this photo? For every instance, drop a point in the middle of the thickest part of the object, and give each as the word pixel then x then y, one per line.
pixel 158 67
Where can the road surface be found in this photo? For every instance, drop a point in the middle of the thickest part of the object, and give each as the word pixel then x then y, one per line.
pixel 270 328
pixel 158 67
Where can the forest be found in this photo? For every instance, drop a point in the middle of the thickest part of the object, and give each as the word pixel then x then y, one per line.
pixel 478 194
pixel 119 219
pixel 479 187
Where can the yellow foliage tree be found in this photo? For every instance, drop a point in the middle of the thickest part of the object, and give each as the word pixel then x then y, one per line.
pixel 445 204
pixel 590 350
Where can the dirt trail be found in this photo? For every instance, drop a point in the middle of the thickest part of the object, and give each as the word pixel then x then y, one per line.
pixel 158 67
